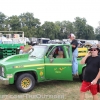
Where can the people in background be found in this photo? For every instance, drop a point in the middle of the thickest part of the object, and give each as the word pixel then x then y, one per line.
pixel 23 50
pixel 74 44
pixel 60 54
pixel 79 44
pixel 91 72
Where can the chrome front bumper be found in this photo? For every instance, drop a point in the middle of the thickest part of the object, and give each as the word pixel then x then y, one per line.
pixel 4 81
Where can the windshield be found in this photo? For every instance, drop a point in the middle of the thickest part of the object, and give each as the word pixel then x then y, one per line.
pixel 39 51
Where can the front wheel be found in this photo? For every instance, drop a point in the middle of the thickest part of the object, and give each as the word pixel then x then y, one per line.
pixel 25 82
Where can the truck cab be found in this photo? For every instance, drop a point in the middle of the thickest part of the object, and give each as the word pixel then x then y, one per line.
pixel 42 64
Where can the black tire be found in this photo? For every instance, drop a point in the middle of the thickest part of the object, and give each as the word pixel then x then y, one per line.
pixel 25 87
pixel 82 75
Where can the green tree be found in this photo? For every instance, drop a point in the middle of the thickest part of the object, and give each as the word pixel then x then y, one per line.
pixel 82 30
pixel 66 27
pixel 97 30
pixel 51 30
pixel 2 20
pixel 14 23
pixel 98 37
pixel 89 33
pixel 97 33
pixel 28 20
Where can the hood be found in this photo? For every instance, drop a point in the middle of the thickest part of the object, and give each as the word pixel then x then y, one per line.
pixel 20 59
pixel 14 59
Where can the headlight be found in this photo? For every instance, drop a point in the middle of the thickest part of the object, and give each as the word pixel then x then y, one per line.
pixel 2 71
pixel 9 75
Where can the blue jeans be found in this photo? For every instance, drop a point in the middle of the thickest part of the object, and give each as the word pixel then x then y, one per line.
pixel 74 61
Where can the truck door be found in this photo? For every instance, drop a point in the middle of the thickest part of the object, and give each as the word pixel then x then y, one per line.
pixel 57 68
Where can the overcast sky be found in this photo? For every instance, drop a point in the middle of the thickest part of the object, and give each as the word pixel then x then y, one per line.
pixel 54 10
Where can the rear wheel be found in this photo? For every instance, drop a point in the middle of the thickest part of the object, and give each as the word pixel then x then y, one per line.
pixel 25 82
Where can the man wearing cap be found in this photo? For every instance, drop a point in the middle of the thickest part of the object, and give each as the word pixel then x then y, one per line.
pixel 74 44
pixel 92 72
pixel 21 51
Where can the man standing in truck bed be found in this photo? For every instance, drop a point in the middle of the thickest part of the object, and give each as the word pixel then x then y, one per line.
pixel 74 44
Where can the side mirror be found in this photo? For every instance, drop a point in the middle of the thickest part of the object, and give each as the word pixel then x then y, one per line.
pixel 50 56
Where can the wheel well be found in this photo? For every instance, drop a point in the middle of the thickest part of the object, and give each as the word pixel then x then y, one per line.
pixel 30 72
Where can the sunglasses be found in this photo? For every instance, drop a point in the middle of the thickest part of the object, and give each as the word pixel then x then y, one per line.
pixel 93 50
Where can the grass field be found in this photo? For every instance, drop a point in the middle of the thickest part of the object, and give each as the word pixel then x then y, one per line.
pixel 51 90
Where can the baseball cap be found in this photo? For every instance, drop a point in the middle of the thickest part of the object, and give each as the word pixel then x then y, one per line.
pixel 21 47
pixel 71 35
pixel 94 46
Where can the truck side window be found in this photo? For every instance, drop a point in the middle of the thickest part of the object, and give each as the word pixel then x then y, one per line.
pixel 54 52
pixel 49 50
pixel 57 52
pixel 60 52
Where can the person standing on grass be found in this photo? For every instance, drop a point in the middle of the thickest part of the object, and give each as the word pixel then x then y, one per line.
pixel 74 44
pixel 92 72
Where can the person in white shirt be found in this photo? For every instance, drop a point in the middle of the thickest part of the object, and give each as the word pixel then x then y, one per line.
pixel 23 50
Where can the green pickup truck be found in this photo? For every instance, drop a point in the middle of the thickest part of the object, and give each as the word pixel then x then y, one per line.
pixel 41 64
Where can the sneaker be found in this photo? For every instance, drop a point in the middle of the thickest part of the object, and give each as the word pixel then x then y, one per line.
pixel 75 75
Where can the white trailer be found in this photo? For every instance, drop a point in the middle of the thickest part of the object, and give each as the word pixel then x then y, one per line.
pixel 14 37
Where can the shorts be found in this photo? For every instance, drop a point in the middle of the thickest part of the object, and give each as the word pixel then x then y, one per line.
pixel 86 86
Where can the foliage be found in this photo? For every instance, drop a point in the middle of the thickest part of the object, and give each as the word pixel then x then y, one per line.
pixel 97 31
pixel 14 23
pixel 83 30
pixel 2 20
pixel 59 30
pixel 51 30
